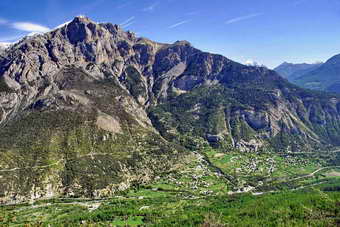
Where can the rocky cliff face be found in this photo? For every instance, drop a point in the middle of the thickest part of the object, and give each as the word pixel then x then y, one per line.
pixel 73 120
pixel 88 109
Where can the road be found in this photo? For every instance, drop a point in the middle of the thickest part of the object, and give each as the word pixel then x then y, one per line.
pixel 54 164
pixel 34 167
pixel 331 152
pixel 313 173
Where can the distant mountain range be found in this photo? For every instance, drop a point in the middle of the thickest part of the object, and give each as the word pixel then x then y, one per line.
pixel 292 71
pixel 325 77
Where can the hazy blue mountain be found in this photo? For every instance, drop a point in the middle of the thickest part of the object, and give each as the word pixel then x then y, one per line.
pixel 326 77
pixel 292 71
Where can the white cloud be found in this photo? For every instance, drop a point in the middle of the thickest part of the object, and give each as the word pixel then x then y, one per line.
pixel 33 34
pixel 25 26
pixel 128 21
pixel 30 27
pixel 3 21
pixel 179 23
pixel 299 2
pixel 123 5
pixel 10 38
pixel 247 17
pixel 151 8
pixel 5 45
pixel 251 62
pixel 192 13
pixel 128 24
pixel 62 25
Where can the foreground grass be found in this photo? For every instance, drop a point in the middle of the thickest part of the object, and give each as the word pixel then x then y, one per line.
pixel 312 207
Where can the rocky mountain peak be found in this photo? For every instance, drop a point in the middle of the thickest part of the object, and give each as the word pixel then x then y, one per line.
pixel 82 29
pixel 183 43
pixel 83 19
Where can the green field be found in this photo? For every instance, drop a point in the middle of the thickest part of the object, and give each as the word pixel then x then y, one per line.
pixel 145 207
pixel 209 189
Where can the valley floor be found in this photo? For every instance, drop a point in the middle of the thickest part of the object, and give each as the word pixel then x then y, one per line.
pixel 214 189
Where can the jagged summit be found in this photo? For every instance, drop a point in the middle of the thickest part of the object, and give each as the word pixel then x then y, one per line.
pixel 83 19
pixel 182 42
pixel 77 19
pixel 81 29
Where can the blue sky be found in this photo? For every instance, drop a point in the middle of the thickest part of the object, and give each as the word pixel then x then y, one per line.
pixel 266 31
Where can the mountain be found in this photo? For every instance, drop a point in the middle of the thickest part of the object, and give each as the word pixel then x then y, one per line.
pixel 292 71
pixel 326 77
pixel 3 47
pixel 90 110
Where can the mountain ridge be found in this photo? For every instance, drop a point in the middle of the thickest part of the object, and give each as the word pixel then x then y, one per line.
pixel 103 110
pixel 326 77
pixel 292 71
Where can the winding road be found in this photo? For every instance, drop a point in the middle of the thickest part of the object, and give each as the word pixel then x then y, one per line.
pixel 33 167
pixel 56 163
pixel 313 173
